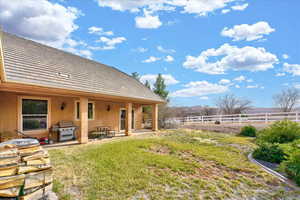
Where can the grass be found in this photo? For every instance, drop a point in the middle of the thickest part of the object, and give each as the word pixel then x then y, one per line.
pixel 179 164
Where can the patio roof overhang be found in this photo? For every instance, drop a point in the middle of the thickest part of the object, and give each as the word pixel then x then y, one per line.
pixel 48 91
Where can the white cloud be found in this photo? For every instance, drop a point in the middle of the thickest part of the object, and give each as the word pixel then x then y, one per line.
pixel 200 88
pixel 99 31
pixel 73 43
pixel 196 7
pixel 240 7
pixel 237 86
pixel 234 58
pixel 224 81
pixel 285 84
pixel 45 22
pixel 80 52
pixel 285 56
pixel 296 85
pixel 201 7
pixel 141 49
pixel 224 11
pixel 248 32
pixel 249 80
pixel 172 22
pixel 85 53
pixel 169 79
pixel 42 21
pixel 163 50
pixel 147 21
pixel 169 58
pixel 109 43
pixel 204 98
pixel 240 78
pixel 252 86
pixel 151 59
pixel 294 69
pixel 280 74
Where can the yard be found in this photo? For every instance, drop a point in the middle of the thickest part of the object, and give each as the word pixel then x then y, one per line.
pixel 181 164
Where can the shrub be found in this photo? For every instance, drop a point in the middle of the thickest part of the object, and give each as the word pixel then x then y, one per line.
pixel 269 152
pixel 292 166
pixel 280 132
pixel 249 131
pixel 291 147
pixel 217 122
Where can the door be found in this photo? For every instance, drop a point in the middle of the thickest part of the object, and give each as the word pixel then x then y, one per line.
pixel 123 119
pixel 132 121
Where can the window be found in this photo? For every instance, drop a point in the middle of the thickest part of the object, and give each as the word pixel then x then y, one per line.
pixel 34 114
pixel 90 110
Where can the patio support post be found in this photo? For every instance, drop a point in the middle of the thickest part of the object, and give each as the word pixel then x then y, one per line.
pixel 83 138
pixel 155 117
pixel 128 120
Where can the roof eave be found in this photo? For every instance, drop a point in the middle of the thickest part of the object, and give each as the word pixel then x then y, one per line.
pixel 146 101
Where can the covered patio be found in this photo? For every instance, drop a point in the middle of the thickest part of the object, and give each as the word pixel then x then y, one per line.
pixel 86 113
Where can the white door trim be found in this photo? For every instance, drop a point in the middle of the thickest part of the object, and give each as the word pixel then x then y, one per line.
pixel 132 119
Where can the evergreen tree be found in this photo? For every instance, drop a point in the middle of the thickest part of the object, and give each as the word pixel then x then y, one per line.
pixel 160 87
pixel 136 76
pixel 147 84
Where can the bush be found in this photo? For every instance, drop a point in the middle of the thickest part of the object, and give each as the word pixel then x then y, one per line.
pixel 280 132
pixel 217 122
pixel 291 147
pixel 269 152
pixel 249 131
pixel 292 166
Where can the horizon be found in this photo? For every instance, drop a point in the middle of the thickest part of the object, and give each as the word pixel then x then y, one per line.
pixel 204 51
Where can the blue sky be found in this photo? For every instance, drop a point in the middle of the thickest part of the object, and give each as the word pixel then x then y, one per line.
pixel 204 50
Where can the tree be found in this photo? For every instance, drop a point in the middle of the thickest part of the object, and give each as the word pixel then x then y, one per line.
pixel 147 84
pixel 160 87
pixel 287 99
pixel 230 104
pixel 206 111
pixel 136 76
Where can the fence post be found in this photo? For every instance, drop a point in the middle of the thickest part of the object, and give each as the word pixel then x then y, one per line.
pixel 240 118
pixel 296 116
pixel 266 118
pixel 220 118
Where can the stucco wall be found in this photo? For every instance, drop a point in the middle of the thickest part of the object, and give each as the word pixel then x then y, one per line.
pixel 103 117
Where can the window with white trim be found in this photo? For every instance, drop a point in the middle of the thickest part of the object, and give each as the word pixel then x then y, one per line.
pixel 34 114
pixel 91 110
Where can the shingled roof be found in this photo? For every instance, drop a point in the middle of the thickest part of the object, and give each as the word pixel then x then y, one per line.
pixel 29 62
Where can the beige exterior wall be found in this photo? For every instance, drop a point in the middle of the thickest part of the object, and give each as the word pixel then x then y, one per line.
pixel 9 113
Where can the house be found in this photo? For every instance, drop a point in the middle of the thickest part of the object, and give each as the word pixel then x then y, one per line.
pixel 41 85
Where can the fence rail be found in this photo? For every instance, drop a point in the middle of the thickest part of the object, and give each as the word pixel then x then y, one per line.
pixel 238 118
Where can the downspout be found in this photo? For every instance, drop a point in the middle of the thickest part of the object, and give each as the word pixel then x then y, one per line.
pixel 2 69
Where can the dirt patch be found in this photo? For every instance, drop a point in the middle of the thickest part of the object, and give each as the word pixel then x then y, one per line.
pixel 218 179
pixel 160 149
pixel 222 128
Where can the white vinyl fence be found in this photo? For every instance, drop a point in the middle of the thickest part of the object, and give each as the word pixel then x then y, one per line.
pixel 237 118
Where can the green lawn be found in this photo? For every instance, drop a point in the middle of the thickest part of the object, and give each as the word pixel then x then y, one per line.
pixel 179 164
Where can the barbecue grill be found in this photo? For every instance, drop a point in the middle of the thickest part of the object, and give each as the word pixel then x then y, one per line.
pixel 65 130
